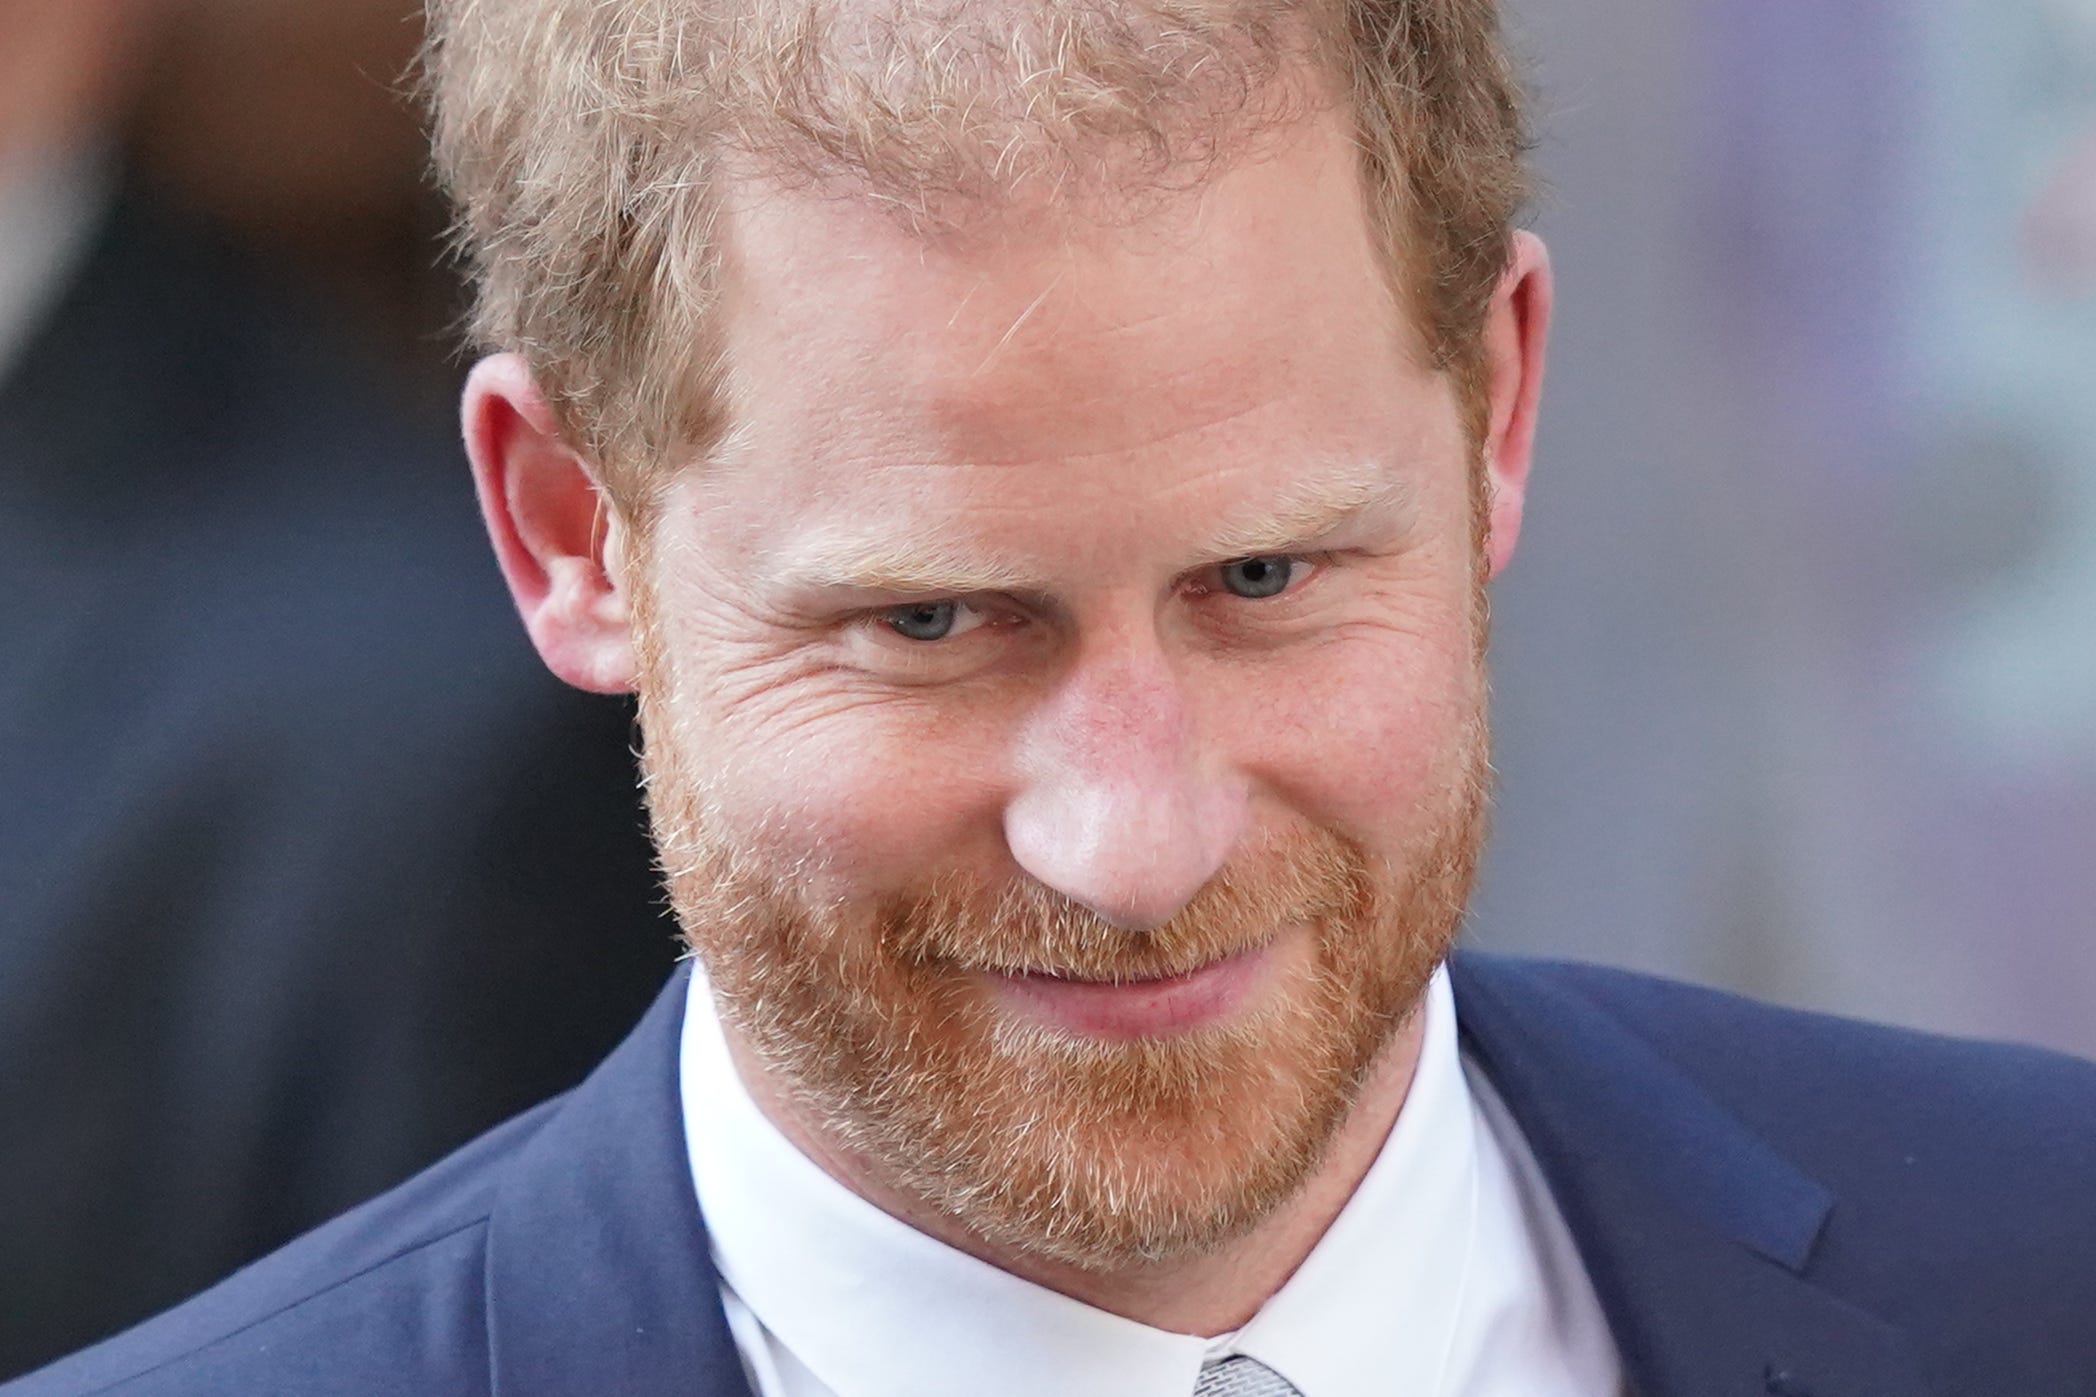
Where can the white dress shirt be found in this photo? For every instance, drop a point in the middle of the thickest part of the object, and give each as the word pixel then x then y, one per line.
pixel 1448 1274
pixel 49 203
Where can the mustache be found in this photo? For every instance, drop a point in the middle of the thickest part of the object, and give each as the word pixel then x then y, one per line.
pixel 1026 928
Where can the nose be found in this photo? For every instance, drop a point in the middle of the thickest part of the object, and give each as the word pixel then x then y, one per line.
pixel 1121 806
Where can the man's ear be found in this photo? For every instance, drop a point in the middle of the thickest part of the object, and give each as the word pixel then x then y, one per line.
pixel 1516 328
pixel 557 538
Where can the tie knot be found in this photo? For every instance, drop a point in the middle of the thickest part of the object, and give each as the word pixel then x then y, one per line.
pixel 1238 1376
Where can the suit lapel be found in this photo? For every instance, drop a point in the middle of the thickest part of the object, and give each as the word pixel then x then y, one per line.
pixel 599 1279
pixel 1697 1234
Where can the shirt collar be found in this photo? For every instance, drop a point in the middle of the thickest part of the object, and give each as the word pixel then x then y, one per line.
pixel 1375 1306
pixel 875 1308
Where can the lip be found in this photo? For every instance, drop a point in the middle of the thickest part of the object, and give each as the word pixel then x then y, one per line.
pixel 1137 1008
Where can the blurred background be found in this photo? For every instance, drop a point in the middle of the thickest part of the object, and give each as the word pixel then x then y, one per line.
pixel 290 814
pixel 1796 670
pixel 1795 674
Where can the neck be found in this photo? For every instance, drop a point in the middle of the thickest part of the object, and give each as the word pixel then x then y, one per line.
pixel 1209 1294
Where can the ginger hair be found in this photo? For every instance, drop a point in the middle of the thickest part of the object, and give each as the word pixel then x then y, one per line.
pixel 583 144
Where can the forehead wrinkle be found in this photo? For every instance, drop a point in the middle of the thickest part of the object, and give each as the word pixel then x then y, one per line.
pixel 1315 507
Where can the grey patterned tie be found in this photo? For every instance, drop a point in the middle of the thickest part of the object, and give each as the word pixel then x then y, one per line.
pixel 1238 1376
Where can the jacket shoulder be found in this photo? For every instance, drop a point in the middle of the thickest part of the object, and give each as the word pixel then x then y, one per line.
pixel 1959 1170
pixel 1798 1073
pixel 388 1298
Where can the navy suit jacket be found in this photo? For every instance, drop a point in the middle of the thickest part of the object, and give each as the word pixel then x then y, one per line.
pixel 1769 1202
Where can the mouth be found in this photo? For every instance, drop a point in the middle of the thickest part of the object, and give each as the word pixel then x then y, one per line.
pixel 1134 1008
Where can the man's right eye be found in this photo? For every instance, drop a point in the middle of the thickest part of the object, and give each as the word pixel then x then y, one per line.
pixel 924 620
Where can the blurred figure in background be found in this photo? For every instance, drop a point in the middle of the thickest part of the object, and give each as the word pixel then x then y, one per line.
pixel 287 799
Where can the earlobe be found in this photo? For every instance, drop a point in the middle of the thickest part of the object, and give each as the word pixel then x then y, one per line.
pixel 1517 329
pixel 554 532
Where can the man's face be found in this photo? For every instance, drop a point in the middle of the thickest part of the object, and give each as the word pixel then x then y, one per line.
pixel 1064 705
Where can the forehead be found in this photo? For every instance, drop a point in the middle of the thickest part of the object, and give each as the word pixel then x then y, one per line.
pixel 1229 339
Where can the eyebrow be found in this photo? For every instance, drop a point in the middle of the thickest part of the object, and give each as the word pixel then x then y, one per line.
pixel 841 562
pixel 1315 509
pixel 1318 507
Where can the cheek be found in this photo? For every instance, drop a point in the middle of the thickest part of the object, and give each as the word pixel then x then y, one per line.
pixel 836 791
pixel 868 798
pixel 1369 735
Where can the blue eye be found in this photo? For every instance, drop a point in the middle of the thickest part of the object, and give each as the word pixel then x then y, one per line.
pixel 924 620
pixel 1258 578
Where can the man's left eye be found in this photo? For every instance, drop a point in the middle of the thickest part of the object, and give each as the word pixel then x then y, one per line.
pixel 1257 578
